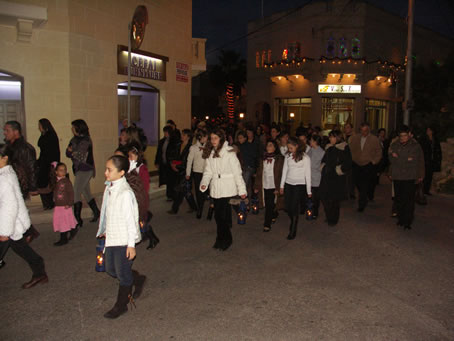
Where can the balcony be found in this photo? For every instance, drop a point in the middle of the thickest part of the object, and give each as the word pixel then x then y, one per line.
pixel 199 63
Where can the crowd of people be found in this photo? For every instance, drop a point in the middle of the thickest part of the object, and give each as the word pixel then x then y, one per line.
pixel 245 167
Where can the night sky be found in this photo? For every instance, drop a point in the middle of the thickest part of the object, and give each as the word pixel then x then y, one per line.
pixel 224 21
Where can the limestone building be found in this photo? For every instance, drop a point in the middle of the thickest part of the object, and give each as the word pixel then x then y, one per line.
pixel 332 62
pixel 65 59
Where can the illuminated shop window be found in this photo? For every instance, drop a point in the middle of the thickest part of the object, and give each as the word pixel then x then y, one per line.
pixel 263 58
pixel 285 54
pixel 331 48
pixel 257 59
pixel 336 112
pixel 269 56
pixel 356 48
pixel 377 113
pixel 343 50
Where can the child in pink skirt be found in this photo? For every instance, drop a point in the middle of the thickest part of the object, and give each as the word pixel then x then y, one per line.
pixel 64 220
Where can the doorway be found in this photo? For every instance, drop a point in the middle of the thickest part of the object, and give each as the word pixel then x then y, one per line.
pixel 144 108
pixel 11 101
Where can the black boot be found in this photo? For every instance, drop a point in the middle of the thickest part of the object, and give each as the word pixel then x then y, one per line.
pixel 154 240
pixel 77 213
pixel 63 239
pixel 293 227
pixel 73 232
pixel 94 208
pixel 139 281
pixel 121 306
pixel 200 211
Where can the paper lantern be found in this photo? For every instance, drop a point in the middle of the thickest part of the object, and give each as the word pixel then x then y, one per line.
pixel 242 213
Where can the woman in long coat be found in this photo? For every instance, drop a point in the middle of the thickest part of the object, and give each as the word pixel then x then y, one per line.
pixel 336 163
pixel 49 152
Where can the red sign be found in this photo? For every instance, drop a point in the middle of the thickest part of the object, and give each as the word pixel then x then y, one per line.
pixel 182 72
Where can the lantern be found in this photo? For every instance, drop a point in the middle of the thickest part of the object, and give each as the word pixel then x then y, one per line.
pixel 255 204
pixel 100 262
pixel 242 213
pixel 309 209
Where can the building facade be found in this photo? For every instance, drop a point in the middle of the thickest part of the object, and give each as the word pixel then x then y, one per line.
pixel 65 60
pixel 333 62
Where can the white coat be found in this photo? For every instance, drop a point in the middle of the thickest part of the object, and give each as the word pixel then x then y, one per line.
pixel 15 219
pixel 195 161
pixel 223 174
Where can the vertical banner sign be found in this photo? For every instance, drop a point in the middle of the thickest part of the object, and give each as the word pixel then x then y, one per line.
pixel 182 72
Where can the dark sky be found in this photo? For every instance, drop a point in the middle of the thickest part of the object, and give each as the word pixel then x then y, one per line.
pixel 224 21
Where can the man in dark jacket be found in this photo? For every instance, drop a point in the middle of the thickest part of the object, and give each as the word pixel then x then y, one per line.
pixel 407 169
pixel 162 161
pixel 23 155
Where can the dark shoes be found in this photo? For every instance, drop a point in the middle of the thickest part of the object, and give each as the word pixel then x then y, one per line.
pixel 121 306
pixel 94 208
pixel 154 240
pixel 63 239
pixel 73 232
pixel 139 281
pixel 35 280
pixel 293 228
pixel 222 244
pixel 77 213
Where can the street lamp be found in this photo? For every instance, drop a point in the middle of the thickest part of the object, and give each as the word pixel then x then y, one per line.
pixel 241 115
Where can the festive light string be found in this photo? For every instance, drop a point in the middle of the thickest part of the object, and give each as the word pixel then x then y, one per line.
pixel 230 102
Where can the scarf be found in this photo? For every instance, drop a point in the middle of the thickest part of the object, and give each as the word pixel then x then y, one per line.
pixel 269 157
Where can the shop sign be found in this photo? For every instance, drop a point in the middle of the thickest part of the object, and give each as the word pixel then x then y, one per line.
pixel 339 89
pixel 182 72
pixel 143 64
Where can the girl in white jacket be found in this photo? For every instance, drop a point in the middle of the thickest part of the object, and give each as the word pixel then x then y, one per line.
pixel 296 175
pixel 119 224
pixel 196 164
pixel 223 174
pixel 15 221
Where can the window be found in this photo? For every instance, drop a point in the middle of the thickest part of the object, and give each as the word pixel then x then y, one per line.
pixel 356 49
pixel 263 58
pixel 331 48
pixel 377 112
pixel 269 56
pixel 257 59
pixel 336 112
pixel 343 50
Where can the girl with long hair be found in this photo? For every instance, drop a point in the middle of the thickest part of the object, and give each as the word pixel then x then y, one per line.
pixel 295 181
pixel 223 175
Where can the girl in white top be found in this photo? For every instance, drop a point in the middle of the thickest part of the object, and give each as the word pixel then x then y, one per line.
pixel 295 181
pixel 15 220
pixel 196 164
pixel 119 224
pixel 223 174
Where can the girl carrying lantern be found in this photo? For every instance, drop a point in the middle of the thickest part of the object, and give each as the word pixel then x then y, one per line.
pixel 223 175
pixel 295 176
pixel 119 224
pixel 267 183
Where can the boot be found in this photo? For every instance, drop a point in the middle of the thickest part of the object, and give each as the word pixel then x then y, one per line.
pixel 73 232
pixel 200 211
pixel 63 239
pixel 94 208
pixel 77 213
pixel 121 306
pixel 139 281
pixel 154 240
pixel 293 227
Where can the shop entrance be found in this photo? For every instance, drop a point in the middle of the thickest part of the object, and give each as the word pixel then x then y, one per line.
pixel 144 108
pixel 294 112
pixel 11 101
pixel 377 112
pixel 336 112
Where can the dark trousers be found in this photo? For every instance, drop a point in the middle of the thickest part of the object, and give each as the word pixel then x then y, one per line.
pixel 350 184
pixel 171 180
pixel 405 200
pixel 223 217
pixel 47 200
pixel 292 198
pixel 270 206
pixel 199 196
pixel 23 250
pixel 365 181
pixel 180 193
pixel 118 265
pixel 428 180
pixel 315 201
pixel 303 200
pixel 332 210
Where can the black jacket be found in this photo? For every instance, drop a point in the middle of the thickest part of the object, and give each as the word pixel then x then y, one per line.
pixel 336 163
pixel 49 152
pixel 23 156
pixel 432 154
